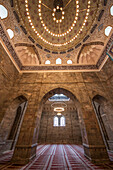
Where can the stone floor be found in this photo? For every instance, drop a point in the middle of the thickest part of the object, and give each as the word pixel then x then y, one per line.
pixel 56 157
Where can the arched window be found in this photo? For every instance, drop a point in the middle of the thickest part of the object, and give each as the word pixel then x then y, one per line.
pixel 111 10
pixel 55 123
pixel 69 62
pixel 62 121
pixel 59 121
pixel 58 61
pixel 47 62
pixel 11 33
pixel 108 30
pixel 3 12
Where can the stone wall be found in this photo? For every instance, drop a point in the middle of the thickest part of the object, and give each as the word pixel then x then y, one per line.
pixel 8 74
pixel 66 134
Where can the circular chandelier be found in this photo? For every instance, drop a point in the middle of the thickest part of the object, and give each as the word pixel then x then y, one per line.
pixel 55 10
pixel 59 106
pixel 58 109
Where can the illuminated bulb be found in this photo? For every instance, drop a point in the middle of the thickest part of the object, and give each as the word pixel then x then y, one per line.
pixel 67 31
pixel 39 14
pixel 77 2
pixel 73 25
pixel 61 8
pixel 77 6
pixel 88 10
pixel 59 114
pixel 43 25
pixel 63 12
pixel 57 21
pixel 39 10
pixel 57 7
pixel 28 17
pixel 77 10
pixel 88 6
pixel 75 22
pixel 54 9
pixel 27 13
pixel 26 5
pixel 60 20
pixel 89 2
pixel 26 9
pixel 39 2
pixel 54 19
pixel 53 14
pixel 39 6
pixel 62 17
pixel 29 20
pixel 32 26
pixel 76 14
pixel 40 18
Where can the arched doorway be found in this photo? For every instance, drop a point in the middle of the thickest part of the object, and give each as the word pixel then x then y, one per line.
pixel 59 122
pixel 104 113
pixel 11 123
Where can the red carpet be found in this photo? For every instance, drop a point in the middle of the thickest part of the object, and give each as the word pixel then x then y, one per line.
pixel 58 157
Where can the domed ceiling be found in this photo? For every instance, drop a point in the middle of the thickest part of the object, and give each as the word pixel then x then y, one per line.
pixel 57 25
pixel 71 31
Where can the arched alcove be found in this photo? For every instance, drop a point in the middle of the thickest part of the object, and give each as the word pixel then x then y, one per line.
pixel 11 122
pixel 60 127
pixel 104 113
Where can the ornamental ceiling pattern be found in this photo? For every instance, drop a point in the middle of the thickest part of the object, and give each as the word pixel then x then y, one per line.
pixel 38 19
pixel 49 29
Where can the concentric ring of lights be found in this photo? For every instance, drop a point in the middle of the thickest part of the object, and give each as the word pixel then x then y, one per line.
pixel 58 45
pixel 53 14
pixel 68 31
pixel 58 109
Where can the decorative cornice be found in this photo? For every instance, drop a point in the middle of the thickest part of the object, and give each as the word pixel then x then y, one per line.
pixel 52 68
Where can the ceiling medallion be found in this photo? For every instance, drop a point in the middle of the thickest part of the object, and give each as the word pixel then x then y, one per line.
pixel 55 10
pixel 54 34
